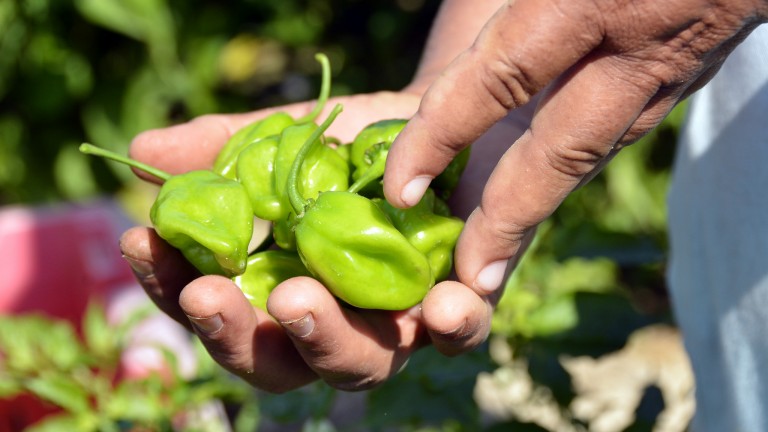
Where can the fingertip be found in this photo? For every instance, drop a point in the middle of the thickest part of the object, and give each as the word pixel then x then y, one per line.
pixel 487 251
pixel 491 277
pixel 213 299
pixel 457 319
pixel 296 303
pixel 414 190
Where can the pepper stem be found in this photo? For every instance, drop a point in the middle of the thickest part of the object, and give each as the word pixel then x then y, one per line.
pixel 91 149
pixel 373 172
pixel 297 202
pixel 325 89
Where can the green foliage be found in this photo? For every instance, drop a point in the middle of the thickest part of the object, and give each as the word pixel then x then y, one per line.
pixel 46 358
pixel 103 71
pixel 429 393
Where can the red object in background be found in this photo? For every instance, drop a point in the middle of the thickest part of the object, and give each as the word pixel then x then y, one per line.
pixel 54 260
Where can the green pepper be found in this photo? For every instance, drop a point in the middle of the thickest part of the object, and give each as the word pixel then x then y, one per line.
pixel 323 168
pixel 205 215
pixel 376 138
pixel 348 243
pixel 266 270
pixel 263 167
pixel 256 165
pixel 446 182
pixel 226 161
pixel 382 132
pixel 432 234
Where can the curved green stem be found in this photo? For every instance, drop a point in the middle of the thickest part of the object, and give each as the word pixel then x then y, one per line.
pixel 373 172
pixel 91 149
pixel 297 202
pixel 325 89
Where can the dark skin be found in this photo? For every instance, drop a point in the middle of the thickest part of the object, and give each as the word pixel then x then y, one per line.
pixel 604 72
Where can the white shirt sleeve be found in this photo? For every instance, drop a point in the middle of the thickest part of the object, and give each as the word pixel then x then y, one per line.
pixel 718 275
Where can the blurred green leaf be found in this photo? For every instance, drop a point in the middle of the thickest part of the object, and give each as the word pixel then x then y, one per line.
pixel 9 387
pixel 99 337
pixel 429 391
pixel 149 21
pixel 248 417
pixel 62 422
pixel 312 401
pixel 31 343
pixel 135 401
pixel 61 390
pixel 73 174
pixel 11 162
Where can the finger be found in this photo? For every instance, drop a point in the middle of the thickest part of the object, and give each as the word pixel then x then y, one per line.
pixel 159 268
pixel 456 318
pixel 485 154
pixel 241 338
pixel 350 350
pixel 509 62
pixel 576 127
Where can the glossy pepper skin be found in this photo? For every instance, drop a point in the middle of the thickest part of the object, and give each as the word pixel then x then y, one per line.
pixel 206 216
pixel 323 170
pixel 447 181
pixel 263 170
pixel 381 132
pixel 349 244
pixel 226 161
pixel 256 168
pixel 263 166
pixel 433 235
pixel 375 140
pixel 266 270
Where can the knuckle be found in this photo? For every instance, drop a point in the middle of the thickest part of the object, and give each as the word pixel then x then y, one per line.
pixel 507 84
pixel 506 233
pixel 575 162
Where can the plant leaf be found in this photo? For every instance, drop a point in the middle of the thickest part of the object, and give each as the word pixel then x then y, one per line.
pixel 62 391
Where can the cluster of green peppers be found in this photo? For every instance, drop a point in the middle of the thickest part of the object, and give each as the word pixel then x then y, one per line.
pixel 329 218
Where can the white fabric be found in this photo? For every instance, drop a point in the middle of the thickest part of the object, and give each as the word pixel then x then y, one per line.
pixel 719 241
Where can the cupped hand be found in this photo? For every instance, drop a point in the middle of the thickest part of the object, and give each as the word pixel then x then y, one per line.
pixel 610 70
pixel 307 334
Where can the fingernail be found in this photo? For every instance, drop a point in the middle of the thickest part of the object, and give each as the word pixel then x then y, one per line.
pixel 414 190
pixel 491 277
pixel 207 325
pixel 141 268
pixel 301 327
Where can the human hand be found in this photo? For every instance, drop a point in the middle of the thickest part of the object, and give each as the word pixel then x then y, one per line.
pixel 607 71
pixel 307 334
